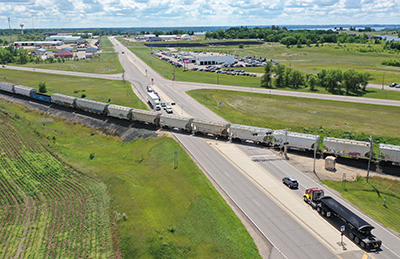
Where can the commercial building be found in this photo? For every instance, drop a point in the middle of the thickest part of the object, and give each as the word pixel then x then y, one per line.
pixel 37 43
pixel 213 58
pixel 67 39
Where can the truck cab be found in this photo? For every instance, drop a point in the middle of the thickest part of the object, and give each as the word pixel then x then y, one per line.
pixel 313 194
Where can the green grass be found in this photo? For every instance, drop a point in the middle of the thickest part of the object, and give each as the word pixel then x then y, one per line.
pixel 172 212
pixel 365 196
pixel 335 119
pixel 96 89
pixel 308 59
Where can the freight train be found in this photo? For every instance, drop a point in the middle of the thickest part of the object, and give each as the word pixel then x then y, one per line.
pixel 258 135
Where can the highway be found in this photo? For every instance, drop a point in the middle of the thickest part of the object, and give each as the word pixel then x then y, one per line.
pixel 260 196
pixel 288 226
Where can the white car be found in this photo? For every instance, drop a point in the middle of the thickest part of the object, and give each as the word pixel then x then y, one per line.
pixel 169 109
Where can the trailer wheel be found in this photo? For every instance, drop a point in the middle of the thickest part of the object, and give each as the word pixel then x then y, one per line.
pixel 328 214
pixel 362 244
pixel 323 212
pixel 351 235
pixel 357 240
pixel 319 209
pixel 305 198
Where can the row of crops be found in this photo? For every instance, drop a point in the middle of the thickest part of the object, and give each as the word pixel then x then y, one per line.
pixel 47 209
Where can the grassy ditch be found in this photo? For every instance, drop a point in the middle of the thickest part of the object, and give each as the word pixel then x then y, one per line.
pixel 159 211
pixel 369 197
pixel 103 90
pixel 335 119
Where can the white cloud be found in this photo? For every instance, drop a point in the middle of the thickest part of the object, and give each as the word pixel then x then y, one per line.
pixel 158 13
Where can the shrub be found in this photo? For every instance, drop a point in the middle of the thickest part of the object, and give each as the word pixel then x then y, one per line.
pixel 42 87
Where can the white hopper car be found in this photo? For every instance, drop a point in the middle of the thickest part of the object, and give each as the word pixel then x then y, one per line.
pixel 24 90
pixel 63 100
pixel 148 117
pixel 7 87
pixel 120 112
pixel 176 121
pixel 346 147
pixel 91 106
pixel 295 140
pixel 390 153
pixel 255 134
pixel 211 127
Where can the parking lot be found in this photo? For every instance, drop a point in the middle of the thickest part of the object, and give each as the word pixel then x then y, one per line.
pixel 236 68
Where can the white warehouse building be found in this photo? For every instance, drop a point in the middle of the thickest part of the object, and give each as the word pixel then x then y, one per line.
pixel 213 58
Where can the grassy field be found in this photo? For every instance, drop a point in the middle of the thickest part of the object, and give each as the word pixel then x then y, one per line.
pixel 316 58
pixel 369 197
pixel 335 119
pixel 102 90
pixel 171 212
pixel 108 63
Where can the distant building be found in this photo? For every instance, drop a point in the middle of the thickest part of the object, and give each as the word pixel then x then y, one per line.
pixel 66 39
pixel 145 37
pixel 91 50
pixel 213 58
pixel 37 43
pixel 38 51
pixel 64 54
pixel 167 37
pixel 185 37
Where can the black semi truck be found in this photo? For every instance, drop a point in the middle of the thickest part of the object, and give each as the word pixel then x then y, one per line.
pixel 358 229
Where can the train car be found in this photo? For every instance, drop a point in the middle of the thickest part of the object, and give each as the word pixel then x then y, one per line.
pixel 24 90
pixel 120 112
pixel 7 87
pixel 41 97
pixel 346 147
pixel 63 100
pixel 391 153
pixel 144 116
pixel 216 128
pixel 245 132
pixel 176 121
pixel 295 140
pixel 91 106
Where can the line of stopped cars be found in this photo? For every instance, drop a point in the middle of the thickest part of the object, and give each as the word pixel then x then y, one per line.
pixel 218 129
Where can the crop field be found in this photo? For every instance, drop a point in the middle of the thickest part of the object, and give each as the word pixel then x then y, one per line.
pixel 47 209
pixel 158 209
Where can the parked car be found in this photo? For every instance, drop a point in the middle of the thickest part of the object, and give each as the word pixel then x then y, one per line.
pixel 290 182
pixel 397 86
pixel 392 85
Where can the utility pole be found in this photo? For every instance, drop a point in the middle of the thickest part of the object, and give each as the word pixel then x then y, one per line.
pixel 315 144
pixel 370 155
pixel 251 98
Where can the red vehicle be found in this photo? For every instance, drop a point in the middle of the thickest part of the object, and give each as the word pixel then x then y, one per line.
pixel 357 229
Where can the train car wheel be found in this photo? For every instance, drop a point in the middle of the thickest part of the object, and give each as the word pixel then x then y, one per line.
pixel 357 240
pixel 351 235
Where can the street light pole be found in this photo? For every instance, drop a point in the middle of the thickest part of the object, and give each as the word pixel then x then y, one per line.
pixel 370 155
pixel 315 144
pixel 251 98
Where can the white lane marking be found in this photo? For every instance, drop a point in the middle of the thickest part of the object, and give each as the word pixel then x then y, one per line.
pixel 256 203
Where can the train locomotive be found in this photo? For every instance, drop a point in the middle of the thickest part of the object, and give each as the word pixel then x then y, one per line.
pixel 258 135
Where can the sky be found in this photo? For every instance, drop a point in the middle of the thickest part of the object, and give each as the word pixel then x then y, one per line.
pixel 180 13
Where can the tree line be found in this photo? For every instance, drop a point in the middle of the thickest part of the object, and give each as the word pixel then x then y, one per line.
pixel 287 37
pixel 334 80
